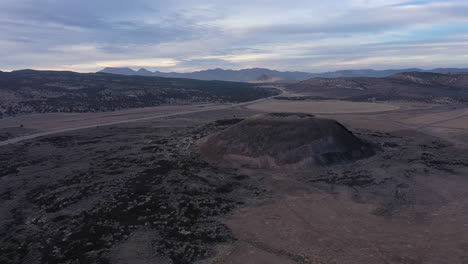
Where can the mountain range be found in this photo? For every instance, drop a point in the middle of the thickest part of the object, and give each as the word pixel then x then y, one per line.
pixel 256 74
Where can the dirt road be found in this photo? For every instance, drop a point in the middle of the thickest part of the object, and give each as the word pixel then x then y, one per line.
pixel 138 119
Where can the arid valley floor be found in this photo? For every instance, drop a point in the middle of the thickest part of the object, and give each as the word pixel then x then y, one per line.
pixel 140 192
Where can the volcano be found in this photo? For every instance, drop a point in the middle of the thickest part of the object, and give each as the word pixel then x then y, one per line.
pixel 285 140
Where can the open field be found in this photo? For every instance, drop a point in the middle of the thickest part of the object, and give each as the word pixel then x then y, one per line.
pixel 56 121
pixel 437 118
pixel 306 224
pixel 459 123
pixel 321 107
pixel 43 124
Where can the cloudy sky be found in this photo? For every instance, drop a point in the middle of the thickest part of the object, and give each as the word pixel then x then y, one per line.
pixel 189 35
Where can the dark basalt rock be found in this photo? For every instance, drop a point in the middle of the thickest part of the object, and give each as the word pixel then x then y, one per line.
pixel 280 140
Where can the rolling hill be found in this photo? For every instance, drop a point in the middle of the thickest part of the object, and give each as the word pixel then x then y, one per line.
pixel 30 91
pixel 419 86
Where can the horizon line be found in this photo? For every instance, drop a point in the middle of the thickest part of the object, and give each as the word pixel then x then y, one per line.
pixel 224 69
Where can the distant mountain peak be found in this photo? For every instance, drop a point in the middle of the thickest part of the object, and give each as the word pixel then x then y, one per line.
pixel 145 72
pixel 119 70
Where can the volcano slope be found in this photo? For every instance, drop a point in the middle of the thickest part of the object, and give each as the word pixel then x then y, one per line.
pixel 286 140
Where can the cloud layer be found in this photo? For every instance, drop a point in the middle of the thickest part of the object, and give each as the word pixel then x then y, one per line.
pixel 188 35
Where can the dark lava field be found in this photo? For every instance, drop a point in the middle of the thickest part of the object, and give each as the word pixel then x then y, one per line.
pixel 73 197
pixel 142 193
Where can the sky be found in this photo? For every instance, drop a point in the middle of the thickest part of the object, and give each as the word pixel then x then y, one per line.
pixel 191 35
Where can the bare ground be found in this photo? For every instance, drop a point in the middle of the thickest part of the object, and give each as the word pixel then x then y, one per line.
pixel 321 107
pixel 56 122
pixel 405 205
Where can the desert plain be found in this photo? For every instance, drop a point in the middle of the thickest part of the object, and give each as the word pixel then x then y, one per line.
pixel 134 188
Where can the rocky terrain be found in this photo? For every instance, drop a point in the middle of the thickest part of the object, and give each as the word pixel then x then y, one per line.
pixel 412 86
pixel 28 91
pixel 91 196
pixel 146 193
pixel 286 140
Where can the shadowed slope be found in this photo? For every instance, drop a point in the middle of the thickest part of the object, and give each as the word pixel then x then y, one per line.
pixel 283 140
